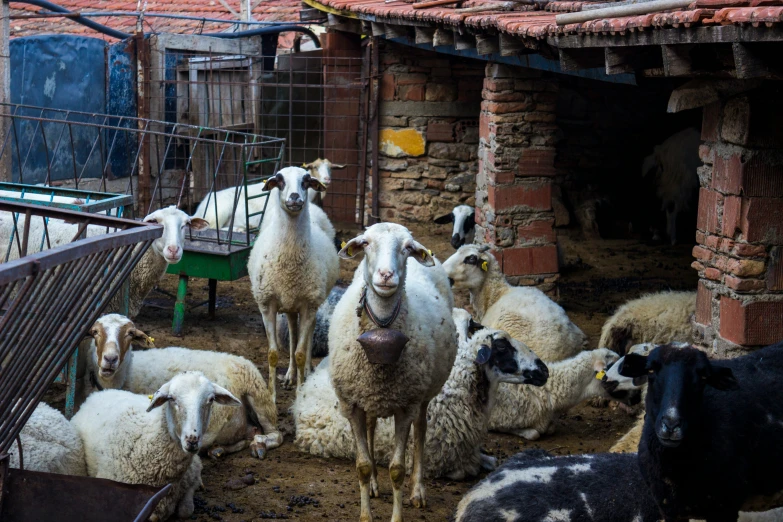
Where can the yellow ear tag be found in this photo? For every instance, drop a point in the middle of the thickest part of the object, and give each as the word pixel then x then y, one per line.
pixel 342 245
pixel 151 339
pixel 424 254
pixel 149 397
pixel 600 375
pixel 484 266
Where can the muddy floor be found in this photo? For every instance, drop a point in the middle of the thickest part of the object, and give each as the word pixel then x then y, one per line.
pixel 598 276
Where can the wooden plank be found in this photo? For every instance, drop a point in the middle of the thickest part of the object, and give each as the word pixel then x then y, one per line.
pixel 464 41
pixel 576 59
pixel 378 29
pixel 341 23
pixel 311 14
pixel 511 45
pixel 677 60
pixel 208 44
pixel 618 60
pixel 397 31
pixel 487 44
pixel 701 92
pixel 755 61
pixel 442 37
pixel 672 36
pixel 424 35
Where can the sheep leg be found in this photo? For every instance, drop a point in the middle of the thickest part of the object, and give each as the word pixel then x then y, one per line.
pixel 293 328
pixel 216 452
pixel 269 315
pixel 529 434
pixel 402 428
pixel 304 346
pixel 271 437
pixel 364 462
pixel 371 423
pixel 488 462
pixel 418 497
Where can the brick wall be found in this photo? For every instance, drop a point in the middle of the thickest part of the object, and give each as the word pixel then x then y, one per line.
pixel 516 166
pixel 740 224
pixel 428 152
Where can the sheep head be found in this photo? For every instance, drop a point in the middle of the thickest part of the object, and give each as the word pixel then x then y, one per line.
pixel 174 221
pixel 507 360
pixel 386 247
pixel 113 335
pixel 469 266
pixel 321 169
pixel 292 184
pixel 464 219
pixel 189 397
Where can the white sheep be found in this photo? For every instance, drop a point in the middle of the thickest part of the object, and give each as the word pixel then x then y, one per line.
pixel 130 438
pixel 656 318
pixel 674 163
pixel 456 418
pixel 165 250
pixel 399 292
pixel 530 412
pixel 50 444
pixel 321 169
pixel 292 267
pixel 464 229
pixel 112 364
pixel 526 313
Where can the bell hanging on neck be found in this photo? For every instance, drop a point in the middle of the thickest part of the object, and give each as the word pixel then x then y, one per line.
pixel 383 345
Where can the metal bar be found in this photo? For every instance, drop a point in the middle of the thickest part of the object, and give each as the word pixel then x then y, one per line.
pixel 624 10
pixel 375 217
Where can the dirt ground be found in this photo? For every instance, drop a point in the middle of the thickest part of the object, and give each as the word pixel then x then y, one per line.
pixel 599 276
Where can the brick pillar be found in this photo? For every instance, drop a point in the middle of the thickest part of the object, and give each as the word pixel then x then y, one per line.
pixel 740 225
pixel 516 168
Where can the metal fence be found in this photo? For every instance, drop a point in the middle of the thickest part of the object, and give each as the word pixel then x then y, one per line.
pixel 312 101
pixel 48 301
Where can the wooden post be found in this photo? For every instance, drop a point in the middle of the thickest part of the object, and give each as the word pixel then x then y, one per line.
pixel 5 87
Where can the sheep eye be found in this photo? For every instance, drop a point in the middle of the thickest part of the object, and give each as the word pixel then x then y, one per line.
pixel 471 260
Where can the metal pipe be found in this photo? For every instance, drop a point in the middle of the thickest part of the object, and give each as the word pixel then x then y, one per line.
pixel 160 15
pixel 623 10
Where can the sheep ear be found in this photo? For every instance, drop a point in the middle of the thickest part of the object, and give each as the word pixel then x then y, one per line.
pixel 152 218
pixel 142 339
pixel 223 396
pixel 197 223
pixel 474 327
pixel 273 183
pixel 483 355
pixel 722 379
pixel 338 166
pixel 633 365
pixel 352 247
pixel 160 397
pixel 448 218
pixel 316 185
pixel 307 166
pixel 421 254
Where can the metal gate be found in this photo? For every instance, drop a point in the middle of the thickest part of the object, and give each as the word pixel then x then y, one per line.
pixel 315 102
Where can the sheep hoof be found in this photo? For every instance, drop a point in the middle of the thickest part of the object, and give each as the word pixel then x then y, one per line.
pixel 290 377
pixel 258 449
pixel 216 452
pixel 374 487
pixel 488 463
pixel 418 498
pixel 529 434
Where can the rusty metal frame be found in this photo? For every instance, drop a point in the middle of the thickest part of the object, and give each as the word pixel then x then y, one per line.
pixel 51 298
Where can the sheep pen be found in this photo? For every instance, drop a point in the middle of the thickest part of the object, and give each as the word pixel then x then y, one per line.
pixel 314 486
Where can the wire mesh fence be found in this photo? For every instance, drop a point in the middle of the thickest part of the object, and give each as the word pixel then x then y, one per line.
pixel 312 101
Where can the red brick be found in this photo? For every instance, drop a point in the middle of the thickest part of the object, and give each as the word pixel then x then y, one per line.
pixel 775 270
pixel 411 79
pixel 708 210
pixel 726 245
pixel 703 304
pixel 536 196
pixel 484 132
pixel 752 177
pixel 497 85
pixel 762 220
pixel 530 260
pixel 499 177
pixel 697 266
pixel 743 285
pixel 713 273
pixel 412 92
pixel 747 250
pixel 440 131
pixel 537 162
pixel 712 242
pixel 746 267
pixel 702 254
pixel 701 237
pixel 706 154
pixel 387 87
pixel 506 96
pixel 504 107
pixel 756 323
pixel 537 230
pixel 720 262
pixel 710 122
pixel 497 253
pixel 732 207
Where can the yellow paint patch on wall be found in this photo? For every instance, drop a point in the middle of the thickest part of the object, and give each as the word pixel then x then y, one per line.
pixel 403 142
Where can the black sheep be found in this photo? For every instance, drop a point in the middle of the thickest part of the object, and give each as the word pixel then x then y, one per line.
pixel 713 434
pixel 535 486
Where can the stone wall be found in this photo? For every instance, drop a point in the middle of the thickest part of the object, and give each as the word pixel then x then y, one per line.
pixel 740 225
pixel 428 151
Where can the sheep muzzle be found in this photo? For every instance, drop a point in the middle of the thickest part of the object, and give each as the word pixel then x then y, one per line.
pixel 383 345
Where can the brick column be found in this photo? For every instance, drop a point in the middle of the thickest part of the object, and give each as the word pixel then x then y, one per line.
pixel 740 225
pixel 516 169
